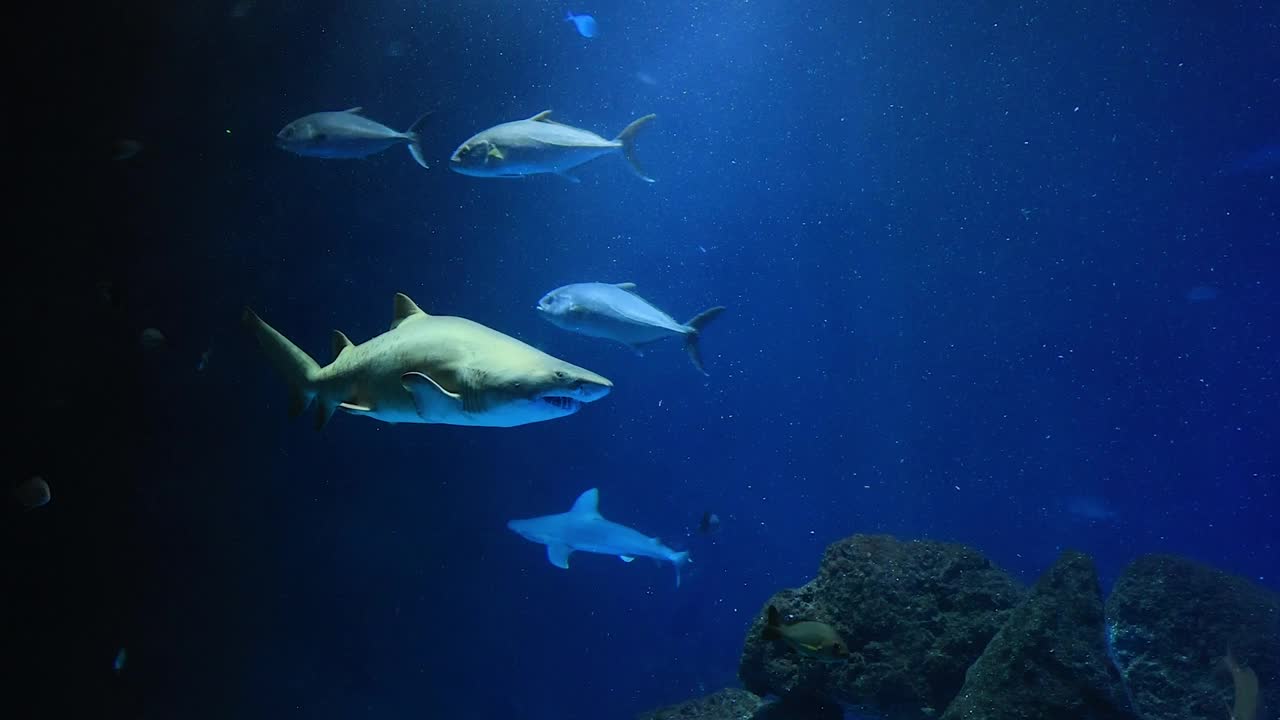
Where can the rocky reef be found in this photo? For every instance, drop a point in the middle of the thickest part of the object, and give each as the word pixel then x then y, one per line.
pixel 1049 661
pixel 1171 621
pixel 727 704
pixel 936 631
pixel 915 616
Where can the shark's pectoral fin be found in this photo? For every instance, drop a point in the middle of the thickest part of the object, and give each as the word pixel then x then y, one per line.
pixel 558 555
pixel 568 177
pixel 430 400
pixel 626 558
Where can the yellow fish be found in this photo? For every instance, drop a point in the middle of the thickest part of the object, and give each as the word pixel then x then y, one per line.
pixel 813 639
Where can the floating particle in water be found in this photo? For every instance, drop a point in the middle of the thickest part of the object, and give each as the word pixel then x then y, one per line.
pixel 1202 293
pixel 646 78
pixel 1091 509
pixel 32 493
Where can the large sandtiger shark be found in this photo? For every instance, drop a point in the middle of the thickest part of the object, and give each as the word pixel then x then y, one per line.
pixel 431 369
pixel 584 528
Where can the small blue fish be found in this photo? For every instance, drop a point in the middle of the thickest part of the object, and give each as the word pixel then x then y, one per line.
pixel 585 23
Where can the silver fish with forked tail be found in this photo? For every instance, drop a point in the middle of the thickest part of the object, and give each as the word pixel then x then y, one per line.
pixel 616 312
pixel 347 134
pixel 541 145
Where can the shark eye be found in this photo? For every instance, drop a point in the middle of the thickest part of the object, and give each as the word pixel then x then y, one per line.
pixel 560 375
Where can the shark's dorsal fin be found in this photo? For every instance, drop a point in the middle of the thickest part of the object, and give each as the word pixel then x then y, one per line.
pixel 626 286
pixel 405 309
pixel 355 110
pixel 340 342
pixel 588 503
pixel 544 116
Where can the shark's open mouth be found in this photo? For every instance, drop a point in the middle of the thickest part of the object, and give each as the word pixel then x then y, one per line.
pixel 567 404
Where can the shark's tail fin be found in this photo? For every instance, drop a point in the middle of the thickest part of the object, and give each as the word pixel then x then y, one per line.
pixel 773 625
pixel 695 325
pixel 415 139
pixel 679 560
pixel 297 367
pixel 628 139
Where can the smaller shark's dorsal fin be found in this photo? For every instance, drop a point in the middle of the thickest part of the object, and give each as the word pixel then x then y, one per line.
pixel 629 287
pixel 355 110
pixel 544 116
pixel 340 342
pixel 405 309
pixel 588 503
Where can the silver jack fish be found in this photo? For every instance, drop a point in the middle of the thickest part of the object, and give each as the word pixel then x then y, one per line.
pixel 616 312
pixel 431 369
pixel 541 145
pixel 346 134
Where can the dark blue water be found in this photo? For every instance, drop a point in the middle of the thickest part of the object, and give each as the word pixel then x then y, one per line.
pixel 960 244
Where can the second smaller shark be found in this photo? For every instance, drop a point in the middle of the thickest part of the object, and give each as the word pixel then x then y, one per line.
pixel 584 528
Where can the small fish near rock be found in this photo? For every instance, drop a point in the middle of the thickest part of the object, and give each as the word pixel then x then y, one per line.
pixel 810 638
pixel 347 135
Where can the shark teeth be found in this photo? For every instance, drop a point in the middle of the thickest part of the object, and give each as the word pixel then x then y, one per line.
pixel 564 403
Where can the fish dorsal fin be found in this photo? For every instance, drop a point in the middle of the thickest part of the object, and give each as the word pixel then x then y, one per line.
pixel 629 287
pixel 340 342
pixel 405 309
pixel 544 116
pixel 355 110
pixel 588 503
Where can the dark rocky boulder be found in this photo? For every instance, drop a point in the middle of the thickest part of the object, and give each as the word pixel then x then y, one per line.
pixel 1049 661
pixel 914 614
pixel 1172 620
pixel 727 704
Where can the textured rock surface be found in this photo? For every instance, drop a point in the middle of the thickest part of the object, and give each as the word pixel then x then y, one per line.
pixel 915 616
pixel 1049 661
pixel 1171 620
pixel 728 704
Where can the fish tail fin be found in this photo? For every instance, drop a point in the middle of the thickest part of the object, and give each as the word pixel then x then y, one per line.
pixel 628 139
pixel 695 326
pixel 679 560
pixel 773 625
pixel 299 370
pixel 415 139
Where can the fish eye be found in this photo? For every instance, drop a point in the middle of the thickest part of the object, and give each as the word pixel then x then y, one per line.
pixel 560 375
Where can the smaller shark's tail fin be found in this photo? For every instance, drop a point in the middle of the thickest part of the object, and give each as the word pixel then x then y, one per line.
pixel 415 139
pixel 628 139
pixel 679 560
pixel 695 325
pixel 297 367
pixel 773 625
